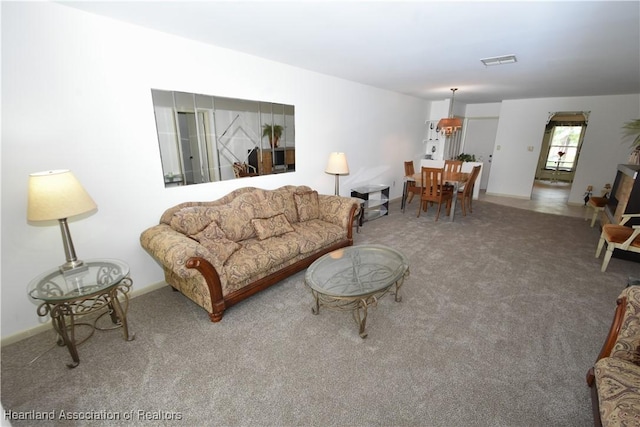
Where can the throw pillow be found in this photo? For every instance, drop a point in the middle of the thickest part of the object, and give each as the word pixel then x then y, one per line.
pixel 307 205
pixel 214 239
pixel 190 220
pixel 274 226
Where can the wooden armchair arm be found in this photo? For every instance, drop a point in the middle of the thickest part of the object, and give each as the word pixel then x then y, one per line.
pixel 626 217
pixel 634 235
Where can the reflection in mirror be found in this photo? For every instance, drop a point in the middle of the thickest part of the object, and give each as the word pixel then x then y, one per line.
pixel 209 138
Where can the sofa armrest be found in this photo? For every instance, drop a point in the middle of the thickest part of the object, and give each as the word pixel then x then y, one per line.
pixel 612 336
pixel 187 259
pixel 172 249
pixel 338 210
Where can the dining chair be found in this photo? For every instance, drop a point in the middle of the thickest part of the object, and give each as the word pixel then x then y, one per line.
pixel 434 191
pixel 452 167
pixel 412 188
pixel 619 236
pixel 241 170
pixel 465 194
pixel 597 204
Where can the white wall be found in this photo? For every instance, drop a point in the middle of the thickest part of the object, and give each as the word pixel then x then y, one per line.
pixel 522 124
pixel 77 95
pixel 483 110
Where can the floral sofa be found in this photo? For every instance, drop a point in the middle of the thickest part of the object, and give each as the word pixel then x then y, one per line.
pixel 220 252
pixel 615 378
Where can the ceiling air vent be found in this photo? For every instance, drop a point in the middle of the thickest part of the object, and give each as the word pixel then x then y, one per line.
pixel 499 60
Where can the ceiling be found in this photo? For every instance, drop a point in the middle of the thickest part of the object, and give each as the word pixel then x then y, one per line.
pixel 421 48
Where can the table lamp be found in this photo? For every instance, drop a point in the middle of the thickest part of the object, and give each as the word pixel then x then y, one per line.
pixel 337 166
pixel 57 194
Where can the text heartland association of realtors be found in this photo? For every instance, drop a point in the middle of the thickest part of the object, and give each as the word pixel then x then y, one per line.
pixel 138 415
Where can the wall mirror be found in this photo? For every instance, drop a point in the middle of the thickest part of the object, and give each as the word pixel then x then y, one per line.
pixel 206 138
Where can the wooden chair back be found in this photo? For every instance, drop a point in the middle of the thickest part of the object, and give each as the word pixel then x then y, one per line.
pixel 466 194
pixel 432 184
pixel 408 168
pixel 434 191
pixel 471 182
pixel 452 166
pixel 412 188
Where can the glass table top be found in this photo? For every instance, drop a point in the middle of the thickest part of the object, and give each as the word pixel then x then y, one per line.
pixel 94 276
pixel 356 270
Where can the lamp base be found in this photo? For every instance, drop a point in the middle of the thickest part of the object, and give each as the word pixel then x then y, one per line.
pixel 71 265
pixel 69 251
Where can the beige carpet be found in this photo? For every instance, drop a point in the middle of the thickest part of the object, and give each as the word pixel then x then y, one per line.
pixel 503 313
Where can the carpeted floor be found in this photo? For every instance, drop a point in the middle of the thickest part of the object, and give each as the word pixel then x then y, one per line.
pixel 503 313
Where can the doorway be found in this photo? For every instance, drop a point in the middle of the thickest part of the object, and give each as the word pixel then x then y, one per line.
pixel 479 140
pixel 561 144
pixel 559 154
pixel 192 134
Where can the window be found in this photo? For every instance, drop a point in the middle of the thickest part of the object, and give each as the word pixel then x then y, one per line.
pixel 564 147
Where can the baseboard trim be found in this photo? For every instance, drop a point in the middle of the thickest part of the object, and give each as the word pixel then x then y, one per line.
pixel 512 196
pixel 19 336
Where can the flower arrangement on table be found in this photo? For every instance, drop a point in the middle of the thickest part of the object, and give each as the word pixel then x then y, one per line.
pixel 560 154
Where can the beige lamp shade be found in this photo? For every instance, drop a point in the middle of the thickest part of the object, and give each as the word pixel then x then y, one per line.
pixel 56 194
pixel 337 164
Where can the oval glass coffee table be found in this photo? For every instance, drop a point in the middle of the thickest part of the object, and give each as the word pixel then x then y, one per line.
pixel 355 278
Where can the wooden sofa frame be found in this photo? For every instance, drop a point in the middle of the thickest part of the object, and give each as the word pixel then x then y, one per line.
pixel 607 347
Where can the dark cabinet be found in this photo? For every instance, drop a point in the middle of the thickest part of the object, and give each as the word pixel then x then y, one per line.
pixel 273 160
pixel 624 197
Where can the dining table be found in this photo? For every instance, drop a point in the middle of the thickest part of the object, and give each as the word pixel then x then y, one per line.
pixel 456 179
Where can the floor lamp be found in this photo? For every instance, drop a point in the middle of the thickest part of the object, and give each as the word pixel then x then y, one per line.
pixel 58 195
pixel 337 166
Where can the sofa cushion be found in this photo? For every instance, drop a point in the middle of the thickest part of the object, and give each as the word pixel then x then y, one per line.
pixel 618 384
pixel 316 234
pixel 257 256
pixel 307 205
pixel 214 239
pixel 190 220
pixel 235 221
pixel 282 201
pixel 628 342
pixel 271 227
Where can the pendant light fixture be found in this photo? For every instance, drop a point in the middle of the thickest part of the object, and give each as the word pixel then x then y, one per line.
pixel 450 125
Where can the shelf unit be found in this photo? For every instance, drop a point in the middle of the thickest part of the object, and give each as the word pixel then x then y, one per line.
pixel 376 201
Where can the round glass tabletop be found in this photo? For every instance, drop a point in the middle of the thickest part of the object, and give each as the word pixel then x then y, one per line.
pixel 356 270
pixel 92 277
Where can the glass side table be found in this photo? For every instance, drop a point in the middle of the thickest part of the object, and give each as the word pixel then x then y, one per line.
pixel 100 284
